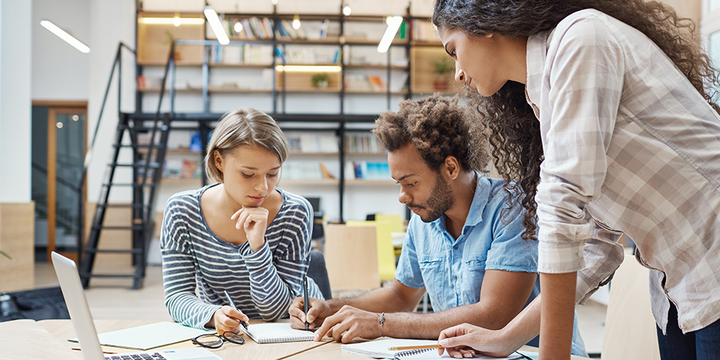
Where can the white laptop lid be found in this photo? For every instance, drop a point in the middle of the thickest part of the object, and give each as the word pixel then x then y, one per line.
pixel 79 310
pixel 76 302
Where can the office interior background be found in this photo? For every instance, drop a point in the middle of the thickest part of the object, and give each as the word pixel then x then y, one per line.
pixel 52 97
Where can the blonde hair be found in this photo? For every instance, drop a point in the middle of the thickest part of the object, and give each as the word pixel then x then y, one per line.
pixel 245 126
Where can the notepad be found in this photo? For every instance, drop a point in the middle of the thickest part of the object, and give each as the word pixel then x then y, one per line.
pixel 149 336
pixel 381 349
pixel 276 332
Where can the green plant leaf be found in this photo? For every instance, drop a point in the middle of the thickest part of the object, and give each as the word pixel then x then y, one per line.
pixel 5 254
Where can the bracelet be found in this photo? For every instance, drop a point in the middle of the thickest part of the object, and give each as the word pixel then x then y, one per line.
pixel 381 320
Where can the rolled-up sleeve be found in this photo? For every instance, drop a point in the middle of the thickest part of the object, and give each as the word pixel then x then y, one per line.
pixel 585 72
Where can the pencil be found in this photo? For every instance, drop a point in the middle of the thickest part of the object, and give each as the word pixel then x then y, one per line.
pixel 435 346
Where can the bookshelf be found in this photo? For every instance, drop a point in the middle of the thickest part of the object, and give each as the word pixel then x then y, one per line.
pixel 254 70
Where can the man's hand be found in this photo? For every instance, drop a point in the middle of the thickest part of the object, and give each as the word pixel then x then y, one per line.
pixel 228 319
pixel 317 312
pixel 466 340
pixel 349 323
pixel 253 220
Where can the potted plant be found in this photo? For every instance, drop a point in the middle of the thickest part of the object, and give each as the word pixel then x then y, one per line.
pixel 443 68
pixel 320 80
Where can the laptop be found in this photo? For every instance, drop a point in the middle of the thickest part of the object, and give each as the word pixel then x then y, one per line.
pixel 82 321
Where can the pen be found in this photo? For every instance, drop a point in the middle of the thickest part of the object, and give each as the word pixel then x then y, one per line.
pixel 227 296
pixel 306 301
pixel 395 348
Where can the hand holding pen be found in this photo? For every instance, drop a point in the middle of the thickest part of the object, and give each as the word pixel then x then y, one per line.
pixel 227 317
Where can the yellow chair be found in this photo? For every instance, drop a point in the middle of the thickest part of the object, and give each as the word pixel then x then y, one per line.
pixel 397 225
pixel 395 220
pixel 385 250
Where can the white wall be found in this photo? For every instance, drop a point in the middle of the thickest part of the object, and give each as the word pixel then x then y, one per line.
pixel 59 71
pixel 110 23
pixel 15 103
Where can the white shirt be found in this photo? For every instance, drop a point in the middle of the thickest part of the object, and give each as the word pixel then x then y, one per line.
pixel 630 147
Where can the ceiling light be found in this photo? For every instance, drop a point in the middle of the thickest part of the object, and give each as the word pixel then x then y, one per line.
pixel 308 68
pixel 394 23
pixel 347 10
pixel 296 22
pixel 274 2
pixel 237 27
pixel 65 36
pixel 172 20
pixel 215 25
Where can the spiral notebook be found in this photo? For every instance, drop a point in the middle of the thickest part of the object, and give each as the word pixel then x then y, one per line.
pixel 276 333
pixel 381 349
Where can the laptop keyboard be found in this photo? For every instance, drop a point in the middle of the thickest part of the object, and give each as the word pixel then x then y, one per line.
pixel 143 356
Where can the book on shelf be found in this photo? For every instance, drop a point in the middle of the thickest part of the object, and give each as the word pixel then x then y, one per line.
pixel 424 31
pixel 189 169
pixel 312 143
pixel 257 54
pixel 362 143
pixel 302 170
pixel 252 28
pixel 172 169
pixel 357 82
pixel 326 174
pixel 376 83
pixel 371 170
pixel 145 82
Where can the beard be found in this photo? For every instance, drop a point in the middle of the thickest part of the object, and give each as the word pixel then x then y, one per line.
pixel 440 201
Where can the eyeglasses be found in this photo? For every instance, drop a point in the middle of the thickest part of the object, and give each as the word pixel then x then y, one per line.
pixel 215 341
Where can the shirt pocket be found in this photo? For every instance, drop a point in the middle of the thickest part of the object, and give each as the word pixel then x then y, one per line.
pixel 435 277
pixel 472 274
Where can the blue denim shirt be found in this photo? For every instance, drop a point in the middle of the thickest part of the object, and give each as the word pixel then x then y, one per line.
pixel 452 270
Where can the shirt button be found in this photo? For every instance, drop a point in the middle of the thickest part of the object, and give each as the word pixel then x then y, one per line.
pixel 455 277
pixel 455 247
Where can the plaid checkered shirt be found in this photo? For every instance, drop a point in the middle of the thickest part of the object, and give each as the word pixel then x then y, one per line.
pixel 630 147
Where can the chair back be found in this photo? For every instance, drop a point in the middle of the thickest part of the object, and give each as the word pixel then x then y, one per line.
pixel 351 257
pixel 385 249
pixel 318 272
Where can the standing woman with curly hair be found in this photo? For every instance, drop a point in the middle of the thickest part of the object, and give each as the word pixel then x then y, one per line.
pixel 598 111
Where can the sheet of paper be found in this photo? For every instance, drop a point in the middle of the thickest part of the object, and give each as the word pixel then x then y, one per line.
pixel 149 336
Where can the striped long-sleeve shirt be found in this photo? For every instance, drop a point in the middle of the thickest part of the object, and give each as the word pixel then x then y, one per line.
pixel 198 265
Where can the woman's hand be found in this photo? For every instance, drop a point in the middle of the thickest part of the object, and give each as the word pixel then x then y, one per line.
pixel 254 221
pixel 466 340
pixel 228 319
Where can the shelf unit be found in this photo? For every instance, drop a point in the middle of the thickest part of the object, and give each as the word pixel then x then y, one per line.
pixel 408 59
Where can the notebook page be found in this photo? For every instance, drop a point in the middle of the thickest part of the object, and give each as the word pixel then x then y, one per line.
pixel 276 332
pixel 149 336
pixel 381 348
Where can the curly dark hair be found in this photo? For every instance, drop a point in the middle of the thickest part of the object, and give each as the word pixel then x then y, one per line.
pixel 514 131
pixel 438 127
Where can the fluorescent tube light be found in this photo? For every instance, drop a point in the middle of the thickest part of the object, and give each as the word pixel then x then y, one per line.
pixel 172 21
pixel 308 68
pixel 394 23
pixel 216 26
pixel 65 36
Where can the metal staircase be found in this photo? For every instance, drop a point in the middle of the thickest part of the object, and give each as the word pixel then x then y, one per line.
pixel 146 164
